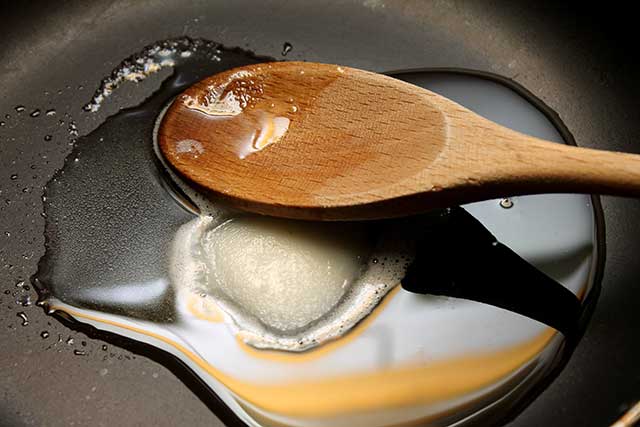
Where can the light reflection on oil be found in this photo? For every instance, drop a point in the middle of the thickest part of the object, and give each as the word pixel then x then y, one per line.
pixel 271 130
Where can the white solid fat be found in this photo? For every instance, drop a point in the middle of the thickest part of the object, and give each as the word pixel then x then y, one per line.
pixel 285 273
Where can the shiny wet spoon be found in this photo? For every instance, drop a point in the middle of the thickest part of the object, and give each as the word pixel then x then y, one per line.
pixel 317 141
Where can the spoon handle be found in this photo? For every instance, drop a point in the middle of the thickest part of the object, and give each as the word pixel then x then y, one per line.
pixel 494 161
pixel 542 166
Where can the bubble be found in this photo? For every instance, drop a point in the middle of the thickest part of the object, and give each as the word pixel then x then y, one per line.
pixel 506 203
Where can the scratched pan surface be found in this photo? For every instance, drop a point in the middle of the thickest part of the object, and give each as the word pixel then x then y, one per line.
pixel 571 63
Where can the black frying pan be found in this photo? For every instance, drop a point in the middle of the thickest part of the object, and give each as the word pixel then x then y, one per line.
pixel 582 66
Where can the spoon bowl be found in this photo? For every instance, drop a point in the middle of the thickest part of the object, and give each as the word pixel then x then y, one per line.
pixel 326 142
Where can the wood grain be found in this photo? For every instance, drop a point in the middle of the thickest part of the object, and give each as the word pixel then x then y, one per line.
pixel 318 141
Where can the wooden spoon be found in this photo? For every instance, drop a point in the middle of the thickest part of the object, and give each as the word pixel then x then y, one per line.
pixel 317 141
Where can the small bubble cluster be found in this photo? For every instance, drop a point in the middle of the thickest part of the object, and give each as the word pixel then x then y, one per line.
pixel 72 129
pixel 150 60
pixel 24 300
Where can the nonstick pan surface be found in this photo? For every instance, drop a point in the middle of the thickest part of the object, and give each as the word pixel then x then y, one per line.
pixel 54 54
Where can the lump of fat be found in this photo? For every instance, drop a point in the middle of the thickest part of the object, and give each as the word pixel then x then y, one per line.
pixel 285 273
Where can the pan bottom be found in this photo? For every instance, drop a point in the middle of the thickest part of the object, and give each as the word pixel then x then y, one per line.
pixel 112 215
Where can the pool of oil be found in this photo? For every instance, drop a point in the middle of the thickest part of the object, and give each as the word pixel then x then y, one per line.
pixel 483 334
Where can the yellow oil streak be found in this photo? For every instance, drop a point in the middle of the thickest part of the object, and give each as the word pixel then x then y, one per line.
pixel 412 384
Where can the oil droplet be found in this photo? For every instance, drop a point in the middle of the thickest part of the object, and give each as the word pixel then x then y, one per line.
pixel 2 123
pixel 20 108
pixel 286 48
pixel 506 203
pixel 14 176
pixel 51 112
pixel 48 137
pixel 104 347
pixel 35 113
pixel 44 335
pixel 24 300
pixel 23 316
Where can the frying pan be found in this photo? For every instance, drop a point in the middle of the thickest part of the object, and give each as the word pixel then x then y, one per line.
pixel 53 54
